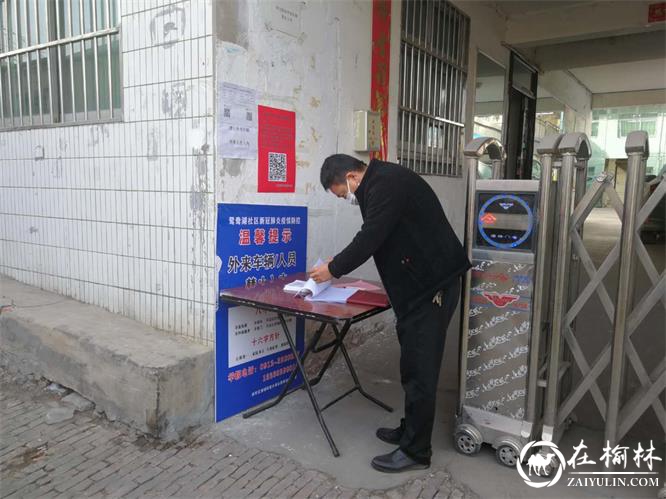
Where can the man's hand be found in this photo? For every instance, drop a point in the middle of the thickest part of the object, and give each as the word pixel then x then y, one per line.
pixel 321 274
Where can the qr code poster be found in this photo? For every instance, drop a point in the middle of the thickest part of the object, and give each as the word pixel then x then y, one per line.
pixel 276 150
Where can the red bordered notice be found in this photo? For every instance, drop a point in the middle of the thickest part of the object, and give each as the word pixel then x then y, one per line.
pixel 276 150
pixel 657 12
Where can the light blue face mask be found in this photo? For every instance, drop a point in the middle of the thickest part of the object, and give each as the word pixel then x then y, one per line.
pixel 350 197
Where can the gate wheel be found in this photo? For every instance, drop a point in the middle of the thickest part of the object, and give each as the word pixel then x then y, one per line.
pixel 466 443
pixel 507 455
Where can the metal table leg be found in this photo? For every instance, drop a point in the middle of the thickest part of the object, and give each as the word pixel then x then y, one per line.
pixel 335 345
pixel 285 391
pixel 306 382
pixel 338 344
pixel 357 384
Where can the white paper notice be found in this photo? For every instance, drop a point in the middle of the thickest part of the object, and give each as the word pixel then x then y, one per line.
pixel 255 333
pixel 284 16
pixel 237 126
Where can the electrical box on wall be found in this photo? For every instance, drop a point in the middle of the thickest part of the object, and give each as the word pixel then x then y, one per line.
pixel 367 131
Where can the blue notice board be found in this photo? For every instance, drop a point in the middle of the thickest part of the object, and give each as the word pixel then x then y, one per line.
pixel 256 244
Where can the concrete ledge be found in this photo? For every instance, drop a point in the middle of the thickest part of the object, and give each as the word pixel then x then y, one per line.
pixel 157 382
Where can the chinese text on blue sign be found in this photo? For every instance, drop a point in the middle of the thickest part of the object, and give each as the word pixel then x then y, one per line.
pixel 256 244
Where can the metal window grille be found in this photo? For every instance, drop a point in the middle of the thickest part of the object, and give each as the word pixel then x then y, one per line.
pixel 433 75
pixel 59 62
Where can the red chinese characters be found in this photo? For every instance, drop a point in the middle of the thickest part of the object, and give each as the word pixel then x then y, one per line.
pixel 239 374
pixel 244 237
pixel 259 236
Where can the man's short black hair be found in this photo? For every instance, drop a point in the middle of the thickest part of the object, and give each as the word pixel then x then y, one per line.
pixel 335 168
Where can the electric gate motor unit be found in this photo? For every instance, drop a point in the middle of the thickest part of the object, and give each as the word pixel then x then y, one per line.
pixel 504 244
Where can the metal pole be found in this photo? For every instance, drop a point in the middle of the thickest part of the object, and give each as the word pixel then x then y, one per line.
pixel 35 23
pixel 6 36
pixel 637 152
pixel 472 165
pixel 108 60
pixel 411 145
pixel 61 102
pixel 94 41
pixel 473 151
pixel 18 62
pixel 10 95
pixel 71 59
pixel 420 76
pixel 428 84
pixel 2 93
pixel 403 80
pixel 441 162
pixel 496 167
pixel 547 150
pixel 434 103
pixel 563 251
pixel 49 70
pixel 580 187
pixel 28 62
pixel 4 48
pixel 83 63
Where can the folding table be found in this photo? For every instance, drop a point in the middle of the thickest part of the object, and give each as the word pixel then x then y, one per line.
pixel 339 316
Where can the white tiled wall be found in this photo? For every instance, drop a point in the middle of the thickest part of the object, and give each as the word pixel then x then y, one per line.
pixel 122 215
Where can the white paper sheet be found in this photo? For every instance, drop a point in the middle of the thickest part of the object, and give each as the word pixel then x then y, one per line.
pixel 237 127
pixel 306 288
pixel 310 290
pixel 365 286
pixel 333 295
pixel 294 287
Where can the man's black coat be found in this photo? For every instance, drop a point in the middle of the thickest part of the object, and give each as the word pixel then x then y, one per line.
pixel 406 231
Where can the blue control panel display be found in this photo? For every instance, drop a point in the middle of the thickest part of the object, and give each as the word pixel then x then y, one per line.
pixel 505 220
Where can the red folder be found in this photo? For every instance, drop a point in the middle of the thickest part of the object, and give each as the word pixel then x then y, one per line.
pixel 369 298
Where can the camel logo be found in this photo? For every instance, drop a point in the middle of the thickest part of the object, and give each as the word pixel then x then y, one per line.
pixel 540 464
pixel 499 300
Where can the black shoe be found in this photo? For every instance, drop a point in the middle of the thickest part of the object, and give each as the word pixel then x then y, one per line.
pixel 390 435
pixel 396 462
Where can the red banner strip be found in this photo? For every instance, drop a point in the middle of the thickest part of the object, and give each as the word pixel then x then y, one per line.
pixel 381 63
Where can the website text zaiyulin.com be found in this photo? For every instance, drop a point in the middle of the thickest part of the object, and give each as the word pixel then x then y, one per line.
pixel 612 481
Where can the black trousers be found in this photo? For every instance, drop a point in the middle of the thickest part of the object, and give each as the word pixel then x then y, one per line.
pixel 422 334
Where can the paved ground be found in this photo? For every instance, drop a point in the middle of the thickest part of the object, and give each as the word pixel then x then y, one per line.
pixel 88 456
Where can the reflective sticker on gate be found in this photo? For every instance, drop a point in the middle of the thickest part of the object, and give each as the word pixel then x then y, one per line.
pixel 500 300
pixel 522 279
pixel 498 336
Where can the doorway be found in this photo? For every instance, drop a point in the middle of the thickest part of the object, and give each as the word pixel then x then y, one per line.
pixel 521 114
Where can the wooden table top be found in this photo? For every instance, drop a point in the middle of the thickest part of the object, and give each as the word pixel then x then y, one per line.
pixel 270 296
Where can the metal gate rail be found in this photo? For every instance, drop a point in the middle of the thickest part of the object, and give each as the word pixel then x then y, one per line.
pixel 621 418
pixel 623 316
pixel 574 148
pixel 473 152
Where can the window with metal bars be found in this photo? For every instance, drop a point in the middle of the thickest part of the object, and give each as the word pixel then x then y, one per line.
pixel 59 62
pixel 433 75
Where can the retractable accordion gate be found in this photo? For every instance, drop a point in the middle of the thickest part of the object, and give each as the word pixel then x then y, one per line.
pixel 519 343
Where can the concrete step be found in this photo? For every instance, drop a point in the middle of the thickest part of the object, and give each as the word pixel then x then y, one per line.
pixel 157 382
